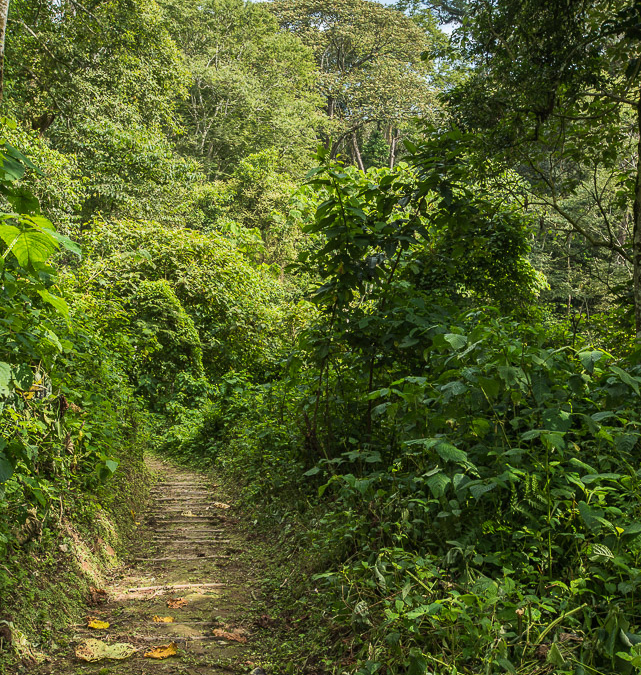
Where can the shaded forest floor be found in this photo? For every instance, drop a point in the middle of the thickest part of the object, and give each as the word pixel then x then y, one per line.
pixel 193 561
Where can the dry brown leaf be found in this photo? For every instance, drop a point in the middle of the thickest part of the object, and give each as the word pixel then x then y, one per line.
pixel 266 621
pixel 238 634
pixel 220 505
pixel 97 596
pixel 96 623
pixel 176 603
pixel 162 651
pixel 163 619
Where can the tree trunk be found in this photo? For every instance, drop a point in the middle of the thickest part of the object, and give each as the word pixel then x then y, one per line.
pixel 636 235
pixel 357 153
pixel 4 14
pixel 392 151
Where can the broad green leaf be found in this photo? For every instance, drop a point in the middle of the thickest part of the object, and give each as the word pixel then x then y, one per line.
pixel 5 378
pixel 66 242
pixel 112 465
pixel 510 374
pixel 626 378
pixel 9 233
pixel 626 442
pixel 634 528
pixel 604 415
pixel 553 439
pixel 630 639
pixel 589 515
pixel 591 478
pixel 451 453
pixel 588 359
pixel 456 341
pixel 455 388
pixel 53 339
pixel 555 419
pixel 59 304
pixel 555 657
pixel 438 483
pixel 425 610
pixel 16 154
pixel 32 247
pixel 417 665
pixel 11 169
pixel 490 386
pixel 6 469
pixel 23 376
pixel 601 551
pixel 507 665
pixel 479 489
pixel 22 200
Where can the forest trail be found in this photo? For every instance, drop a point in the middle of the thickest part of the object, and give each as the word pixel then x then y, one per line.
pixel 185 566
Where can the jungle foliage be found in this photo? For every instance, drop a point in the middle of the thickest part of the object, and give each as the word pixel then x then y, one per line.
pixel 414 350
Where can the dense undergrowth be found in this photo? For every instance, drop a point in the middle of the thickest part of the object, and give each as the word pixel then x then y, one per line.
pixel 416 360
pixel 464 482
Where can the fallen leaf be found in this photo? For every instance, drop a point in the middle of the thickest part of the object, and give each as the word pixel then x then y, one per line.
pixel 162 651
pixel 176 603
pixel 237 635
pixel 97 596
pixel 267 621
pixel 5 632
pixel 97 624
pixel 163 619
pixel 220 505
pixel 97 650
pixel 188 514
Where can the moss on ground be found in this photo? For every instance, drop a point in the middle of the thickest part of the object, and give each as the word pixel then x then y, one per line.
pixel 44 584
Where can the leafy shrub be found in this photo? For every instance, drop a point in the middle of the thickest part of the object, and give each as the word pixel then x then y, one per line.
pixel 477 493
pixel 66 410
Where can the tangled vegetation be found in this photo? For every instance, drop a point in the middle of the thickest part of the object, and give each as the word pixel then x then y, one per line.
pixel 416 351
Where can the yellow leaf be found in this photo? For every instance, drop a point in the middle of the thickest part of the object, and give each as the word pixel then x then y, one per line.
pixel 162 651
pixel 163 619
pixel 620 530
pixel 97 624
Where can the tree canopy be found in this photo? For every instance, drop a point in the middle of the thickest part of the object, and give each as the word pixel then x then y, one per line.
pixel 379 267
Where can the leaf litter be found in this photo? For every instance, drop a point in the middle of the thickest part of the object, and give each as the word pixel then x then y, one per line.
pixel 97 624
pixel 176 603
pixel 162 651
pixel 97 596
pixel 163 619
pixel 236 635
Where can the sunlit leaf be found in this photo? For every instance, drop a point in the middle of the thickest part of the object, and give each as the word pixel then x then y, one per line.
pixel 162 651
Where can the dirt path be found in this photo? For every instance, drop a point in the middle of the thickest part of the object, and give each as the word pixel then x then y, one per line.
pixel 185 567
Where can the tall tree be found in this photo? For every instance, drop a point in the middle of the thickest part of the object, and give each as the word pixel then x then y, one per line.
pixel 371 72
pixel 251 84
pixel 66 61
pixel 555 91
pixel 4 15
